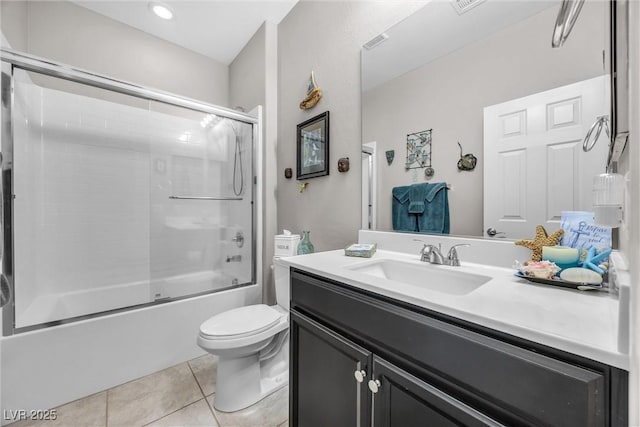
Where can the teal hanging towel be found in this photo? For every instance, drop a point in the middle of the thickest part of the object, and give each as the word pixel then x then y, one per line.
pixel 422 208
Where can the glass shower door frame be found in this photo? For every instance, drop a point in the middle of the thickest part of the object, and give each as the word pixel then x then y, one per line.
pixel 12 60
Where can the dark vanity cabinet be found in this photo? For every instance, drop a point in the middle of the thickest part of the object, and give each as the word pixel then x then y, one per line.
pixel 326 388
pixel 360 359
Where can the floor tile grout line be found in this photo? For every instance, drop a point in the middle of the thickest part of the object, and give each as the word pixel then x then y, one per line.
pixel 212 411
pixel 205 397
pixel 106 408
pixel 196 379
pixel 177 410
pixel 188 404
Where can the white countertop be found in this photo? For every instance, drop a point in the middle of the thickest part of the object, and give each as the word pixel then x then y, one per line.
pixel 580 322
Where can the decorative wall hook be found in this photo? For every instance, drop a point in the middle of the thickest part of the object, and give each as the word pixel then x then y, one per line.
pixel 343 164
pixel 390 155
pixel 467 162
pixel 303 186
pixel 288 173
pixel 314 93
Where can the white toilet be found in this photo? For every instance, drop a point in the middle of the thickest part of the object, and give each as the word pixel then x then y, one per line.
pixel 252 345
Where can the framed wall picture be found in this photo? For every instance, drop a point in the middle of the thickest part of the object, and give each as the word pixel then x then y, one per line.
pixel 312 148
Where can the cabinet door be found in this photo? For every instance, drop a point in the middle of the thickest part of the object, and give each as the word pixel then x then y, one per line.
pixel 402 400
pixel 323 385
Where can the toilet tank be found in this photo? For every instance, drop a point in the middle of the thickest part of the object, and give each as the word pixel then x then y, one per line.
pixel 281 278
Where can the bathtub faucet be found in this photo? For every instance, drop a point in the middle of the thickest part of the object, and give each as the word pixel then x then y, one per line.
pixel 234 258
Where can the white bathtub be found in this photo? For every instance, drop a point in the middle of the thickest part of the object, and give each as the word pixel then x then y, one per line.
pixel 44 368
pixel 48 307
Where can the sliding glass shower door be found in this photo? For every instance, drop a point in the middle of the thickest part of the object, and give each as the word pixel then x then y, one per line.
pixel 119 201
pixel 201 202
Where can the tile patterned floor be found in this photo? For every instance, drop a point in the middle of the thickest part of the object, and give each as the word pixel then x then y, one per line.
pixel 181 395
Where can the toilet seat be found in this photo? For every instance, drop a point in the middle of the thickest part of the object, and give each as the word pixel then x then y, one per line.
pixel 254 332
pixel 240 322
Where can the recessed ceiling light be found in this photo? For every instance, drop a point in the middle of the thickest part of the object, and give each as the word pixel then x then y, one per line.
pixel 162 10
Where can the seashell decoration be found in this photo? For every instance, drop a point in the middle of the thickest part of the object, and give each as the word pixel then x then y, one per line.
pixel 314 93
pixel 467 161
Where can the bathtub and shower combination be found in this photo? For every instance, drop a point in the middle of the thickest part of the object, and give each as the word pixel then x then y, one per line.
pixel 129 216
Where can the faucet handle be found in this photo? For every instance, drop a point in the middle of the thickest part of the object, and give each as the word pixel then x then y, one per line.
pixel 452 256
pixel 426 251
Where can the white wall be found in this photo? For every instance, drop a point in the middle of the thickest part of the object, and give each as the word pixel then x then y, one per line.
pixel 326 37
pixel 448 95
pixel 64 32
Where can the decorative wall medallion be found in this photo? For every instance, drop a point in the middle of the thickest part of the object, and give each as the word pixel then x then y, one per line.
pixel 418 150
pixel 343 164
pixel 467 162
pixel 314 93
pixel 390 155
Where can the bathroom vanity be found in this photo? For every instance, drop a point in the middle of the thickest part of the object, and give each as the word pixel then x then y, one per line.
pixel 362 354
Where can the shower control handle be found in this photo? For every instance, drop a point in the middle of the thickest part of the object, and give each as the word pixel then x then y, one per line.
pixel 239 239
pixel 360 375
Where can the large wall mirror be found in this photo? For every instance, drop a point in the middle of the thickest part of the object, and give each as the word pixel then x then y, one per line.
pixel 489 79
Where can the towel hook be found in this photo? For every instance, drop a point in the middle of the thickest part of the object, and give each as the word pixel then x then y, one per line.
pixel 601 122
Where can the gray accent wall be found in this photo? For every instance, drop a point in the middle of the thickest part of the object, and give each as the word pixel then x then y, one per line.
pixel 64 32
pixel 326 37
pixel 252 82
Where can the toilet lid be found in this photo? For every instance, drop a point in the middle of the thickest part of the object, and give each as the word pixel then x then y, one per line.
pixel 242 321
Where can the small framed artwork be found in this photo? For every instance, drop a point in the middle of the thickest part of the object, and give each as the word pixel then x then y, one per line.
pixel 312 148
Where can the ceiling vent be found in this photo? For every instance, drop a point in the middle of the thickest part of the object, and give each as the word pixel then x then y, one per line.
pixel 463 6
pixel 377 40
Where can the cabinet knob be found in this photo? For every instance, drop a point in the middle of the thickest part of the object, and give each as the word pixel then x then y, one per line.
pixel 360 375
pixel 374 385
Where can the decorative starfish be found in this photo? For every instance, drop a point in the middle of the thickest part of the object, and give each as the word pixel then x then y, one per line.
pixel 541 239
pixel 592 260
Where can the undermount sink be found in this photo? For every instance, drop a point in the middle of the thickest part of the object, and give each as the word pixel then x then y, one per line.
pixel 433 277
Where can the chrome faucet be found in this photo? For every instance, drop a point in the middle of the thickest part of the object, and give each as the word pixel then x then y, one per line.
pixel 433 254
